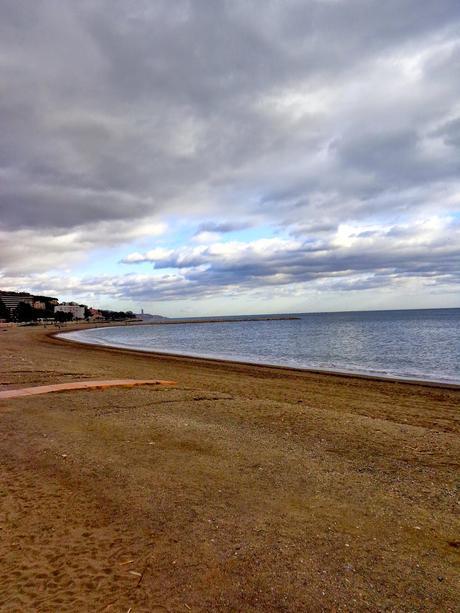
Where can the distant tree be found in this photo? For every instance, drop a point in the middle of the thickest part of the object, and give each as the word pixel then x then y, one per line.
pixel 4 312
pixel 24 312
pixel 45 299
pixel 117 315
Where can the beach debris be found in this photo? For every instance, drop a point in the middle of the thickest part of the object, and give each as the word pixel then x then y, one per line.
pixel 142 576
pixel 134 572
pixel 127 562
pixel 64 455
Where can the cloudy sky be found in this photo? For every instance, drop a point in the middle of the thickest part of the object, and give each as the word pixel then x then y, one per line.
pixel 204 157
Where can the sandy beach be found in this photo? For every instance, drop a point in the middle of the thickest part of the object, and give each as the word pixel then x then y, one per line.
pixel 241 488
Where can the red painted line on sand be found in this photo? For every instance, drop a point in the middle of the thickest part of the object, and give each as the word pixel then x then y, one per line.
pixel 79 385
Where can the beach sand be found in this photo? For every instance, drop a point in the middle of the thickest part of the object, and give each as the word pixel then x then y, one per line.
pixel 242 488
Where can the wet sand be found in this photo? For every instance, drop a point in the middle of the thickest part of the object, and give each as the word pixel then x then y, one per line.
pixel 242 488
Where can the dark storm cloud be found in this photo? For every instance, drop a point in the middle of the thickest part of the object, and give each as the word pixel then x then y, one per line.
pixel 450 132
pixel 302 114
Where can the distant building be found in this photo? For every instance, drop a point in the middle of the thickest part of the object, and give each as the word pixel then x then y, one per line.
pixel 94 314
pixel 78 312
pixel 12 299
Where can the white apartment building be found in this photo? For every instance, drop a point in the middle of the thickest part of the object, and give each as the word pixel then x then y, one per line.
pixel 78 312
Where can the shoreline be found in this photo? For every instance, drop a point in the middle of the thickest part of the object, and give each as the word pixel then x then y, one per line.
pixel 217 360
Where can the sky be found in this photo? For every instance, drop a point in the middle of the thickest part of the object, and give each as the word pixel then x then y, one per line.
pixel 211 157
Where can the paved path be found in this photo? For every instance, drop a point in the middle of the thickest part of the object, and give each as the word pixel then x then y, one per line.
pixel 79 385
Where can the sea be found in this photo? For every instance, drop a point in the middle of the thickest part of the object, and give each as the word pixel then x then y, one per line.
pixel 405 344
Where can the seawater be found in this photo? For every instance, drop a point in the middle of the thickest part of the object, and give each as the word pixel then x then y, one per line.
pixel 413 344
